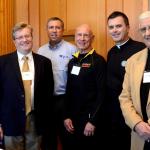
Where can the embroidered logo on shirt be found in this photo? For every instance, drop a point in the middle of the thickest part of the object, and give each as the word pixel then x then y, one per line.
pixel 64 57
pixel 86 65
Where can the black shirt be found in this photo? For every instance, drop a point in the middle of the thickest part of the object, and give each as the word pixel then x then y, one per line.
pixel 116 61
pixel 85 91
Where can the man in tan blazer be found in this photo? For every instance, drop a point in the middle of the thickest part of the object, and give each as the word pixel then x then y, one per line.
pixel 135 98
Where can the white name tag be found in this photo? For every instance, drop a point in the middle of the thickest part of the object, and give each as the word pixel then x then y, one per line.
pixel 146 78
pixel 27 76
pixel 75 70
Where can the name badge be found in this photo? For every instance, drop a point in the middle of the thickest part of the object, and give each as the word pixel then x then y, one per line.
pixel 75 70
pixel 27 76
pixel 146 78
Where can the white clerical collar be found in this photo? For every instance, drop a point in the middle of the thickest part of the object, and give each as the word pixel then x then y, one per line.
pixel 119 45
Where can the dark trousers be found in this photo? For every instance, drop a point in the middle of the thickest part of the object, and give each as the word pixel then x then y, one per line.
pixel 78 141
pixel 147 146
pixel 121 138
pixel 58 110
pixel 81 142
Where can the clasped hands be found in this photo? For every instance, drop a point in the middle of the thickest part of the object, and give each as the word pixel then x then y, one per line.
pixel 88 130
pixel 143 130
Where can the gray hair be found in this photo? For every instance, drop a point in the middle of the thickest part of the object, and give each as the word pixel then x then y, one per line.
pixel 19 26
pixel 144 15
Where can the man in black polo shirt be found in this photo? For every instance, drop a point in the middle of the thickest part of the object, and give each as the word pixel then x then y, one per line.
pixel 85 93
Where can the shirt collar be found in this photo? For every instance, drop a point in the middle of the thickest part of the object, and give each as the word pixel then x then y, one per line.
pixel 78 52
pixel 55 46
pixel 20 55
pixel 119 45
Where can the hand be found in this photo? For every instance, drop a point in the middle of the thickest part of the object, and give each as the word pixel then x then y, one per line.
pixel 143 129
pixel 1 133
pixel 69 125
pixel 89 129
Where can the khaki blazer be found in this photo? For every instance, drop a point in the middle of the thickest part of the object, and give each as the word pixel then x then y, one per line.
pixel 130 96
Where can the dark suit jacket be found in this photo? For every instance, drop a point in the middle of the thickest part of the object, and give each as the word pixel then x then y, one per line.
pixel 12 96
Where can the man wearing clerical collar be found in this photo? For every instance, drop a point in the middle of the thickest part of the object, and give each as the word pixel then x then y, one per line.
pixel 118 29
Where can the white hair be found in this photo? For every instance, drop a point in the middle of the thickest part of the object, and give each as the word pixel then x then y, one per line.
pixel 144 15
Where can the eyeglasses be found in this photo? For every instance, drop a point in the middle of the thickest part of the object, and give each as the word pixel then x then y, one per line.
pixel 144 29
pixel 22 37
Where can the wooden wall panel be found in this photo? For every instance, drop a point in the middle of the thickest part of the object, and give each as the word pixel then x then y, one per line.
pixel 6 23
pixel 21 11
pixel 113 5
pixel 28 11
pixel 130 8
pixel 34 20
pixel 84 13
pixel 146 5
pixel 100 24
pixel 50 8
pixel 73 12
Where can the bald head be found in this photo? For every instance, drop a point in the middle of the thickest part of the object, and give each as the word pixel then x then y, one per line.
pixel 84 27
pixel 84 38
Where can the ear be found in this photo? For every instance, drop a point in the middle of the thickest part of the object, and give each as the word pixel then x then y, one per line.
pixel 92 38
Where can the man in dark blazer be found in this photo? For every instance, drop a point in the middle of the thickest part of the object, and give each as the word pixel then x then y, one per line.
pixel 23 131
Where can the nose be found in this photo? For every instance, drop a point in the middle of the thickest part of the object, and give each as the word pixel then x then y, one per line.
pixel 54 29
pixel 24 38
pixel 82 37
pixel 147 32
pixel 114 29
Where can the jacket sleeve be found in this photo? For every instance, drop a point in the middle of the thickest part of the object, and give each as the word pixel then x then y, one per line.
pixel 131 115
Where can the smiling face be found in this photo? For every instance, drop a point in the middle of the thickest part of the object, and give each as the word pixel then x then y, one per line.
pixel 84 38
pixel 144 27
pixel 23 40
pixel 55 31
pixel 118 30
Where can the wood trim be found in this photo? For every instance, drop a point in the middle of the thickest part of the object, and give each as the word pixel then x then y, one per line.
pixel 34 20
pixel 6 23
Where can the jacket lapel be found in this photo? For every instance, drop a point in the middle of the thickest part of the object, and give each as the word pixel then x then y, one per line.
pixel 36 69
pixel 140 65
pixel 141 62
pixel 15 64
pixel 138 75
